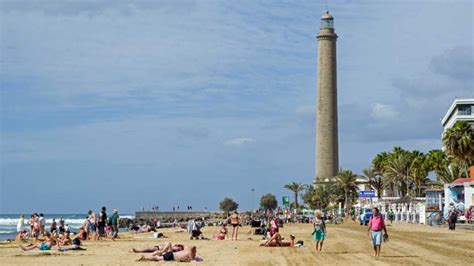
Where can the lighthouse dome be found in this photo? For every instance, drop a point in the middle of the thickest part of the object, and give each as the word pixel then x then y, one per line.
pixel 327 16
pixel 327 21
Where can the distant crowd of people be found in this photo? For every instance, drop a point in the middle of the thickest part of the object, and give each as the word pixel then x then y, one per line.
pixel 99 226
pixel 95 227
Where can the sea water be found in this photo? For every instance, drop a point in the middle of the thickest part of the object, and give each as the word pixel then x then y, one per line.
pixel 8 222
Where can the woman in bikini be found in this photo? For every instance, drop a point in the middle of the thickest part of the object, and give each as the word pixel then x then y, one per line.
pixel 235 222
pixel 277 241
pixel 222 233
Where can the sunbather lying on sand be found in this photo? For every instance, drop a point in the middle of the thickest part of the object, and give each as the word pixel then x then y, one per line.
pixel 186 255
pixel 160 249
pixel 277 241
pixel 48 242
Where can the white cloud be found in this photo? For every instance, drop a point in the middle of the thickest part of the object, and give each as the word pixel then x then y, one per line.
pixel 384 111
pixel 239 141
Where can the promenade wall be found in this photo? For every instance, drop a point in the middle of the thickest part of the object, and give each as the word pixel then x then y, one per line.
pixel 171 216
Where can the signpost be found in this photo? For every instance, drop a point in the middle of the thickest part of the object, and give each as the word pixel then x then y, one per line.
pixel 286 201
pixel 367 193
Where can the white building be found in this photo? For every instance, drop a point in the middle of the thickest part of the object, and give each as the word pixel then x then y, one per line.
pixel 459 195
pixel 460 110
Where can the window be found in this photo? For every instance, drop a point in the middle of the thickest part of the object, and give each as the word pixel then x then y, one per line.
pixel 464 110
pixel 327 24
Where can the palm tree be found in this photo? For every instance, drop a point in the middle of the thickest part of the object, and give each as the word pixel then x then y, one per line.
pixel 398 172
pixel 320 196
pixel 436 160
pixel 346 180
pixel 375 180
pixel 459 143
pixel 418 172
pixel 379 161
pixel 451 172
pixel 296 188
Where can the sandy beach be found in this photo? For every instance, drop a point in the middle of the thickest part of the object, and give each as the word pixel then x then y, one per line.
pixel 346 244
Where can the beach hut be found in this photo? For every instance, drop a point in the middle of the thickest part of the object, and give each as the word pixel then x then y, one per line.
pixel 459 195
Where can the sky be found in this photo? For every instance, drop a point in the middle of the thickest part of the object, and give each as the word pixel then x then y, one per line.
pixel 131 104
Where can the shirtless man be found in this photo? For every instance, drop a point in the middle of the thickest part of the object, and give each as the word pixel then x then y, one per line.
pixel 65 239
pixel 48 242
pixel 186 255
pixel 235 222
pixel 276 241
pixel 159 250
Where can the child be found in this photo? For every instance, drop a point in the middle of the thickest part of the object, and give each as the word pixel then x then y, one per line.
pixel 319 231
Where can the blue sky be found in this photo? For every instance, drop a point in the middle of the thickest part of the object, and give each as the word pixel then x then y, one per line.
pixel 135 103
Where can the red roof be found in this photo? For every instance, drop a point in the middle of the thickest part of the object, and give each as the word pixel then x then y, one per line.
pixel 463 180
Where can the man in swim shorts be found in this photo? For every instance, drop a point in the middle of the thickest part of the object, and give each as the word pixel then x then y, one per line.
pixel 186 255
pixel 160 250
pixel 49 241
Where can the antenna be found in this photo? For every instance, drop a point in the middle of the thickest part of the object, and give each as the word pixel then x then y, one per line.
pixel 327 5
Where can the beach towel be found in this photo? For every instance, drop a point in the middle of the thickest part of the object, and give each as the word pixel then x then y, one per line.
pixel 199 259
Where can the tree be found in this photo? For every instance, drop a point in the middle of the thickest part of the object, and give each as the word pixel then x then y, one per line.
pixel 320 196
pixel 375 180
pixel 268 202
pixel 296 188
pixel 437 161
pixel 451 172
pixel 227 205
pixel 397 172
pixel 380 161
pixel 418 172
pixel 459 143
pixel 346 180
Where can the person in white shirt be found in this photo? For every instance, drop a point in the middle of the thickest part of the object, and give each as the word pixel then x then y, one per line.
pixel 21 224
pixel 42 223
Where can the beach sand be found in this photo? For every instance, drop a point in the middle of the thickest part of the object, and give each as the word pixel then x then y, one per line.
pixel 346 244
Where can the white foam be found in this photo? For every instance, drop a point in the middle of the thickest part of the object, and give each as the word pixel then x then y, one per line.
pixel 68 221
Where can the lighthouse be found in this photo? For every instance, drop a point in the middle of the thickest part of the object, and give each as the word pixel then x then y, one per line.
pixel 327 150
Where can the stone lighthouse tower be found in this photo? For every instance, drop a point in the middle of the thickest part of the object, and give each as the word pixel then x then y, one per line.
pixel 327 151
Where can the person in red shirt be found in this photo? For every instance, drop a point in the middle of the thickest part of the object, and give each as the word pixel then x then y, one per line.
pixel 376 225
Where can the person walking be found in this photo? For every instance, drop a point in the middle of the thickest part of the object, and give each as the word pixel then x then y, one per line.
pixel 21 224
pixel 42 223
pixel 376 225
pixel 114 221
pixel 102 222
pixel 319 230
pixel 93 225
pixel 54 226
pixel 453 218
pixel 391 216
pixel 234 220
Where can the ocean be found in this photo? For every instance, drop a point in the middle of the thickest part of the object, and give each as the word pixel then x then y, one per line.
pixel 8 222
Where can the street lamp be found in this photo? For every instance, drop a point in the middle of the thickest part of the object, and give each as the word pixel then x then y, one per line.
pixel 253 190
